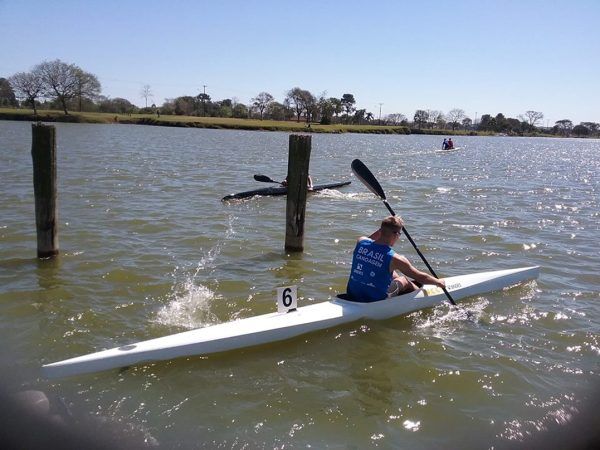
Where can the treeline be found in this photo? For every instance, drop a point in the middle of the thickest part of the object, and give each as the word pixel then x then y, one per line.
pixel 59 85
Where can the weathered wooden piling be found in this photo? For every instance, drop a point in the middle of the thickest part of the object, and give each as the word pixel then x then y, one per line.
pixel 43 153
pixel 298 162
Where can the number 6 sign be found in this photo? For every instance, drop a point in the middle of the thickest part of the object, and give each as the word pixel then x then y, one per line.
pixel 287 298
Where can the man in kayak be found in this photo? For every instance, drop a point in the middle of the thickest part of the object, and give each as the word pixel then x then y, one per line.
pixel 450 144
pixel 309 183
pixel 445 144
pixel 373 275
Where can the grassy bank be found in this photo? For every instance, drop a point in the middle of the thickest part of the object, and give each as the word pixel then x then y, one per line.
pixel 224 123
pixel 193 121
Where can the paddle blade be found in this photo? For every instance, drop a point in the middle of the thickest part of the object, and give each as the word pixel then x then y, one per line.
pixel 264 179
pixel 363 173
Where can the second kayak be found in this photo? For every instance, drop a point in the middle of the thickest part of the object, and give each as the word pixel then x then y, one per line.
pixel 280 190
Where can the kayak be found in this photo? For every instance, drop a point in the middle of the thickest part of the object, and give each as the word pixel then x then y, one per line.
pixel 280 190
pixel 273 327
pixel 453 149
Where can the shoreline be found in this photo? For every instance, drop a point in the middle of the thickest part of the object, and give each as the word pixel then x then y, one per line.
pixel 231 124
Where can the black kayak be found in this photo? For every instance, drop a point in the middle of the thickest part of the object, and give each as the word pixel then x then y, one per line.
pixel 280 190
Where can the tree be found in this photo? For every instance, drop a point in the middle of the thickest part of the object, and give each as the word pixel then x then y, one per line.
pixel 359 116
pixel 294 98
pixel 262 101
pixel 326 109
pixel 240 111
pixel 564 126
pixel 592 126
pixel 65 82
pixel 467 123
pixel 88 86
pixel 311 106
pixel 185 105
pixel 336 103
pixel 347 101
pixel 28 86
pixel 501 124
pixel 487 123
pixel 7 95
pixel 581 130
pixel 395 119
pixel 455 116
pixel 204 99
pixel 116 105
pixel 146 93
pixel 276 111
pixel 421 118
pixel 434 116
pixel 224 108
pixel 532 117
pixel 301 101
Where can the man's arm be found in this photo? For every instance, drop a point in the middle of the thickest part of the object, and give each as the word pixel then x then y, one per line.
pixel 402 264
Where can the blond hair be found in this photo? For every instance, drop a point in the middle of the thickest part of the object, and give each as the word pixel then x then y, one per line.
pixel 392 224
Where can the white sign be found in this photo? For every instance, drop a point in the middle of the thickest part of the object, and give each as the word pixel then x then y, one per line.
pixel 287 298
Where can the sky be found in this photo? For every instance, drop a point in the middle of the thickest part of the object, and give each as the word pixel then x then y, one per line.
pixel 396 56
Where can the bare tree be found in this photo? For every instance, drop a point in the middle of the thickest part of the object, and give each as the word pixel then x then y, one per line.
pixel 61 80
pixel 455 116
pixel 532 117
pixel 434 117
pixel 146 93
pixel 27 86
pixel 262 101
pixel 395 119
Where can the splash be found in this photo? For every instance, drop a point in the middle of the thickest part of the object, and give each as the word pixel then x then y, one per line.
pixel 338 195
pixel 189 302
pixel 189 306
pixel 443 318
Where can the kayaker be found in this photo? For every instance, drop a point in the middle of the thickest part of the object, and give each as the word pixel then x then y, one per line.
pixel 309 183
pixel 445 144
pixel 378 271
pixel 450 144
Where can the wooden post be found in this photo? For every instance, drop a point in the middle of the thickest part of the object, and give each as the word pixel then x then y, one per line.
pixel 298 162
pixel 43 152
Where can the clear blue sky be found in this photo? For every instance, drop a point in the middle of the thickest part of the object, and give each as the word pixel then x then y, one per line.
pixel 482 56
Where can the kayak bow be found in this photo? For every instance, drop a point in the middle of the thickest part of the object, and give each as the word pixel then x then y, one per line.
pixel 275 327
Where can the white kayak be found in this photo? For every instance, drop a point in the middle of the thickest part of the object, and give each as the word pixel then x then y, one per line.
pixel 276 326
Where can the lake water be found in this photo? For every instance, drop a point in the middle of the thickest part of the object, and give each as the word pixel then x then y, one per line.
pixel 148 249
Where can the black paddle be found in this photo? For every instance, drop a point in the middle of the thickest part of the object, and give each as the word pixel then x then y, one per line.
pixel 363 173
pixel 265 179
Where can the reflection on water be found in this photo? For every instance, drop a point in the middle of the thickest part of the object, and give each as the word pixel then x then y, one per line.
pixel 148 249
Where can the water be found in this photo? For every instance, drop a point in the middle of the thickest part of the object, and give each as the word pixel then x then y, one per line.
pixel 148 249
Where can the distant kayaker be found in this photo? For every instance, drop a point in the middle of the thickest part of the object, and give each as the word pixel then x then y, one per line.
pixel 450 144
pixel 309 183
pixel 445 144
pixel 373 275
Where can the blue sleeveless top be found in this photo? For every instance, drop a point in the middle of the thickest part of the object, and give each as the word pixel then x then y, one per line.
pixel 370 275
